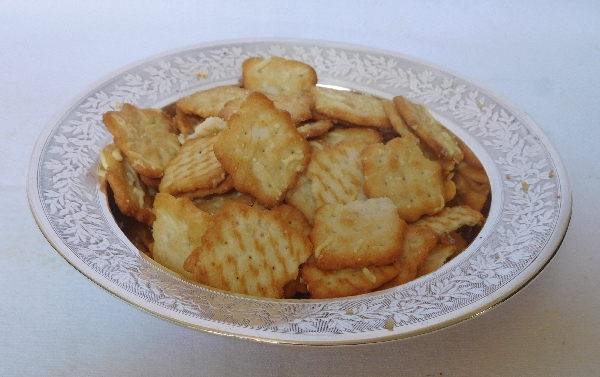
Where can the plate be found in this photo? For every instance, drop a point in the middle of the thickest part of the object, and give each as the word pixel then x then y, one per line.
pixel 529 213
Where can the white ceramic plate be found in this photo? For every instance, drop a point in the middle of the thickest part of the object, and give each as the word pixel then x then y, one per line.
pixel 529 215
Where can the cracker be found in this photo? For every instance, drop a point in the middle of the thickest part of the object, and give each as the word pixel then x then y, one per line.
pixel 129 192
pixel 248 251
pixel 208 103
pixel 138 233
pixel 398 170
pixel 436 259
pixel 177 231
pixel 223 187
pixel 315 129
pixel 300 196
pixel 417 242
pixel 429 129
pixel 150 182
pixel 472 186
pixel 208 127
pixel 395 119
pixel 451 218
pixel 212 204
pixel 356 108
pixel 357 235
pixel 262 150
pixel 340 134
pixel 186 123
pixel 347 281
pixel 144 136
pixel 276 75
pixel 336 174
pixel 194 168
pixel 293 218
pixel 299 108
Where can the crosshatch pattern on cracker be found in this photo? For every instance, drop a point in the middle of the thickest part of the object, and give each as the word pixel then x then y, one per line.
pixel 282 188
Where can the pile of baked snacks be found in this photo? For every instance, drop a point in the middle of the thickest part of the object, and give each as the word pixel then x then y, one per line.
pixel 280 188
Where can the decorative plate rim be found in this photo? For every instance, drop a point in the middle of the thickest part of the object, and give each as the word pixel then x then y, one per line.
pixel 529 216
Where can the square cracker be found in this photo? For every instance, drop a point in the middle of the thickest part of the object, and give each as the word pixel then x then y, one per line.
pixel 208 103
pixel 144 136
pixel 212 204
pixel 315 129
pixel 437 257
pixel 300 108
pixel 429 129
pixel 300 196
pixel 262 150
pixel 357 235
pixel 129 192
pixel 398 170
pixel 451 219
pixel 195 167
pixel 249 251
pixel 340 134
pixel 357 108
pixel 417 242
pixel 177 231
pixel 276 75
pixel 347 281
pixel 336 174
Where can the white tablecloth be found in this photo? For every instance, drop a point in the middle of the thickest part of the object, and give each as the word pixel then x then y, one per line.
pixel 544 56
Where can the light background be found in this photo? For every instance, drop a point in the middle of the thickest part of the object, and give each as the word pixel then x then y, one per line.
pixel 542 55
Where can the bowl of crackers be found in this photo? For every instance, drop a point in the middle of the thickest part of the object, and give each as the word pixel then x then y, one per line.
pixel 299 192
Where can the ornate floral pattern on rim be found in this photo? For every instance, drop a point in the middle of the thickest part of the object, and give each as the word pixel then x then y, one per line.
pixel 531 198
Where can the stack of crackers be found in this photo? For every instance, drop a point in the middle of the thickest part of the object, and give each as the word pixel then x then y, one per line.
pixel 281 188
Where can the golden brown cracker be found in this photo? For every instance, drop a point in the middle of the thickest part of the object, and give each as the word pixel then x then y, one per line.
pixel 450 219
pixel 357 234
pixel 129 191
pixel 150 182
pixel 248 251
pixel 209 127
pixel 417 242
pixel 429 129
pixel 340 134
pixel 336 174
pixel 356 108
pixel 144 136
pixel 472 186
pixel 212 204
pixel 262 150
pixel 195 167
pixel 346 282
pixel 208 103
pixel 293 218
pixel 177 231
pixel 300 196
pixel 277 75
pixel 186 123
pixel 138 233
pixel 315 129
pixel 398 170
pixel 299 108
pixel 436 259
pixel 223 187
pixel 395 119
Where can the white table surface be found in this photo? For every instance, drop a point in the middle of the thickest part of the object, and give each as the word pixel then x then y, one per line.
pixel 542 55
